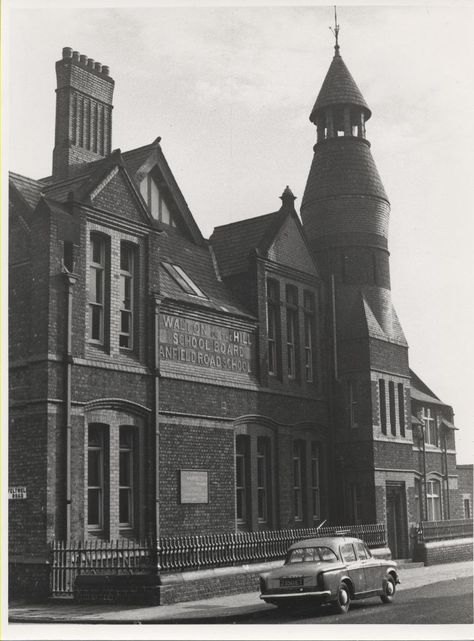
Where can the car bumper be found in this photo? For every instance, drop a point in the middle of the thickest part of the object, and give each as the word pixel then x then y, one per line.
pixel 320 594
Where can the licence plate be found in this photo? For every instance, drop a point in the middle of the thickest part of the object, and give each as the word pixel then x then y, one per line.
pixel 291 582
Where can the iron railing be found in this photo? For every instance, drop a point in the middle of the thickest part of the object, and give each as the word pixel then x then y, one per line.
pixel 70 558
pixel 180 553
pixel 439 530
pixel 234 548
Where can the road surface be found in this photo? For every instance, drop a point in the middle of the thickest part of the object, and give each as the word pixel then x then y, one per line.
pixel 443 602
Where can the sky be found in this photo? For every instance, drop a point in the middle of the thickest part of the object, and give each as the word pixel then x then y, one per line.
pixel 230 88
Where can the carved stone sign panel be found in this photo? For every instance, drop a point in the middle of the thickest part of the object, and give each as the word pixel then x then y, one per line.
pixel 192 342
pixel 194 486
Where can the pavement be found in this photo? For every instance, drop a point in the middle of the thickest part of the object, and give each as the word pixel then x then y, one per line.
pixel 224 609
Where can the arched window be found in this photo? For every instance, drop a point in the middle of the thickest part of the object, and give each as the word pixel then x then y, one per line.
pixel 114 462
pixel 418 500
pixel 433 500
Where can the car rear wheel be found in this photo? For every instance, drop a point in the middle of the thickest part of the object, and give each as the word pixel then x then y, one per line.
pixel 343 601
pixel 388 590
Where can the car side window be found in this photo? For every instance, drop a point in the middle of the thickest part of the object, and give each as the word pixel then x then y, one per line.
pixel 362 552
pixel 327 555
pixel 347 552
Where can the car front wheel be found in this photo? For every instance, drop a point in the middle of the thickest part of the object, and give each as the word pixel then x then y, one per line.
pixel 388 590
pixel 343 600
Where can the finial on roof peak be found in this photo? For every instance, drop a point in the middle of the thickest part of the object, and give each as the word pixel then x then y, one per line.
pixel 336 32
pixel 287 197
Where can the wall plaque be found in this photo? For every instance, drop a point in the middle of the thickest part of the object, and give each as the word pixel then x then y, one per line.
pixel 191 342
pixel 194 486
pixel 17 492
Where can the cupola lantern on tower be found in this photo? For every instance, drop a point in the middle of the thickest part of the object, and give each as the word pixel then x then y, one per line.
pixel 340 108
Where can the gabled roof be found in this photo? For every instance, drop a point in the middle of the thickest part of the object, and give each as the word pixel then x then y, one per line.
pixel 420 385
pixel 419 391
pixel 144 159
pixel 339 88
pixel 232 243
pixel 136 162
pixel 29 189
pixel 197 262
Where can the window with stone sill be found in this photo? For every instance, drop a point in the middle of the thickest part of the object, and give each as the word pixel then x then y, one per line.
pixel 433 500
pixel 391 404
pixel 429 425
pixel 128 286
pixel 309 328
pixel 126 477
pixel 315 481
pixel 242 471
pixel 155 201
pixel 292 330
pixel 298 479
pixel 97 473
pixel 354 404
pixel 98 264
pixel 273 325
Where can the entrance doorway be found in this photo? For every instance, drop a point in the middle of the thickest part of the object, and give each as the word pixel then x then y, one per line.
pixel 396 519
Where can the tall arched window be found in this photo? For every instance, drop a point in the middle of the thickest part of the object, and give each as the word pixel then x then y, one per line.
pixel 433 499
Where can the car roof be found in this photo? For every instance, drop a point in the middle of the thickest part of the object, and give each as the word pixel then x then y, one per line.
pixel 328 541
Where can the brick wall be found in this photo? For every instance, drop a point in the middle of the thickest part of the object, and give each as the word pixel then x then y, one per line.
pixel 452 551
pixel 201 448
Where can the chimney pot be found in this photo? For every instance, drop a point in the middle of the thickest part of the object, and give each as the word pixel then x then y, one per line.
pixel 75 56
pixel 67 52
pixel 90 63
pixel 97 66
pixel 83 58
pixel 105 70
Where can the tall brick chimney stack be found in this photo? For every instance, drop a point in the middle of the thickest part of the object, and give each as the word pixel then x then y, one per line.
pixel 83 112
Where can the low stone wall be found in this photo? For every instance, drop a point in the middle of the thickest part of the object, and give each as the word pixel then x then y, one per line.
pixel 28 578
pixel 448 551
pixel 136 589
pixel 151 589
pixel 203 584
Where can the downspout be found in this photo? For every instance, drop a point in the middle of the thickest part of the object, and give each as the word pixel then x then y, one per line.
pixel 70 281
pixel 334 328
pixel 425 499
pixel 156 410
pixel 445 453
pixel 340 459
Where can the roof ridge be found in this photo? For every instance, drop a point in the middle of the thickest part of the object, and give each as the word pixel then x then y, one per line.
pixel 245 220
pixel 150 145
pixel 15 173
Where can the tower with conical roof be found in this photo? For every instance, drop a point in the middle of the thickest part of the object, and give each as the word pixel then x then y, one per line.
pixel 345 213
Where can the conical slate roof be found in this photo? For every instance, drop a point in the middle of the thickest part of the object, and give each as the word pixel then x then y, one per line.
pixel 339 88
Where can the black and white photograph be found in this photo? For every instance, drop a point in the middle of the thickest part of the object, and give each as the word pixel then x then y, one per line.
pixel 237 320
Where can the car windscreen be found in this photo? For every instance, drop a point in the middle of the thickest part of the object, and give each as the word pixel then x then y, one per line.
pixel 303 555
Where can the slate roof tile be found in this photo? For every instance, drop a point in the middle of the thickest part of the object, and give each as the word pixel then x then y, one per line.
pixel 197 262
pixel 343 166
pixel 233 242
pixel 339 88
pixel 30 189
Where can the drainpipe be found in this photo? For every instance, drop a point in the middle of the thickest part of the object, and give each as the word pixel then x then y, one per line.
pixel 333 301
pixel 156 410
pixel 445 453
pixel 425 499
pixel 70 281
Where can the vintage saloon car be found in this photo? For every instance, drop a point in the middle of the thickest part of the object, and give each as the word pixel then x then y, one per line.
pixel 333 570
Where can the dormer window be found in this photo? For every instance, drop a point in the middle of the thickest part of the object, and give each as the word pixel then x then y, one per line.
pixel 183 280
pixel 155 201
